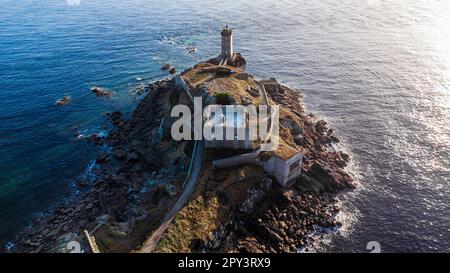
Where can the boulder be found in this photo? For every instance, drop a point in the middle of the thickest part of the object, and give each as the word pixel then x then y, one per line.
pixel 103 158
pixel 120 154
pixel 132 157
pixel 330 179
pixel 238 61
pixel 299 140
pixel 64 101
pixel 166 66
pixel 115 115
pixel 89 206
pixel 321 127
pixel 82 184
pixel 243 76
pixel 345 156
pixel 101 92
pixel 55 232
pixel 96 139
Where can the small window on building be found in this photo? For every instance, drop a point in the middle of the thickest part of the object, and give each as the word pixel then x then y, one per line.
pixel 293 167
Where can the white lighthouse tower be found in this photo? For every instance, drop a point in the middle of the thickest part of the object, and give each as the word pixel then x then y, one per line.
pixel 227 43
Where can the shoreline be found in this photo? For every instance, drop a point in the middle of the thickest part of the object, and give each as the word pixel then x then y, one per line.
pixel 140 180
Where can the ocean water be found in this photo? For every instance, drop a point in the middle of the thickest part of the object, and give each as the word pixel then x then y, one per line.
pixel 378 71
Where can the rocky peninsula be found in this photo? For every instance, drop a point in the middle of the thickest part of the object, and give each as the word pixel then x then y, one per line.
pixel 238 209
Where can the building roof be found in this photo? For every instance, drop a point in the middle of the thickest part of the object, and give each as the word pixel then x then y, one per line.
pixel 236 120
pixel 226 31
pixel 284 152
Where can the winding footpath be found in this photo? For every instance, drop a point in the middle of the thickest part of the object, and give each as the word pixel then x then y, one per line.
pixel 263 94
pixel 190 183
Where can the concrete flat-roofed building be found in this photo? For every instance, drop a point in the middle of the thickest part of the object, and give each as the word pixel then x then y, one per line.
pixel 284 164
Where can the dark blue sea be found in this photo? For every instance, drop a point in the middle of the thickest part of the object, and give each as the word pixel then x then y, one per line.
pixel 378 71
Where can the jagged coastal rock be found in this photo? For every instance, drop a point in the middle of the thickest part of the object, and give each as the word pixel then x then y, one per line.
pixel 64 101
pixel 166 66
pixel 239 208
pixel 101 92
